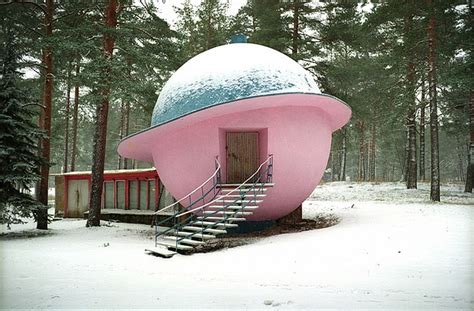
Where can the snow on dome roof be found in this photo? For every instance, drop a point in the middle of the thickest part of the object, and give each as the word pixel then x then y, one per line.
pixel 228 73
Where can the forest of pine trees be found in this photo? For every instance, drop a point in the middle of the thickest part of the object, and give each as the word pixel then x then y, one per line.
pixel 95 69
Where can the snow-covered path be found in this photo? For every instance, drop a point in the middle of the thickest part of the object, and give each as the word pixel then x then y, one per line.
pixel 392 249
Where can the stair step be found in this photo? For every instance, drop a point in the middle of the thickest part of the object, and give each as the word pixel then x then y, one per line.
pixel 211 223
pixel 196 235
pixel 246 185
pixel 220 207
pixel 173 245
pixel 160 229
pixel 246 190
pixel 239 201
pixel 222 218
pixel 185 241
pixel 208 230
pixel 228 213
pixel 245 195
pixel 161 251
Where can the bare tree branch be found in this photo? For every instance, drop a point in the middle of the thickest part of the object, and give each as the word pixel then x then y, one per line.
pixel 34 104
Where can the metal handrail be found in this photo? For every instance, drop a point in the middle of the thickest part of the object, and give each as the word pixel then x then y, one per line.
pixel 257 187
pixel 227 194
pixel 192 192
pixel 268 172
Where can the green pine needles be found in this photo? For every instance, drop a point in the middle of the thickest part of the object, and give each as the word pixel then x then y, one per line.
pixel 19 136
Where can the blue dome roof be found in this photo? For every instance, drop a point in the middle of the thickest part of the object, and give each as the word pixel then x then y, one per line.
pixel 228 73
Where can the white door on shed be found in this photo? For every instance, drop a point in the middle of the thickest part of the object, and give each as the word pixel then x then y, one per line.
pixel 77 198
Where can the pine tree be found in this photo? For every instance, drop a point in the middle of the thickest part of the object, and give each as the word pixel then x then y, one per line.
pixel 410 94
pixel 432 82
pixel 45 115
pixel 271 28
pixel 100 134
pixel 245 21
pixel 456 73
pixel 143 58
pixel 19 162
pixel 202 27
pixel 186 26
pixel 470 169
pixel 212 24
pixel 304 27
pixel 422 131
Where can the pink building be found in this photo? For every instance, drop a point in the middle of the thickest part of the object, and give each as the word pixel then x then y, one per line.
pixel 244 118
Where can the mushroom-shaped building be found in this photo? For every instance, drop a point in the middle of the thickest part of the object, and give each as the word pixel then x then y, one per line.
pixel 241 102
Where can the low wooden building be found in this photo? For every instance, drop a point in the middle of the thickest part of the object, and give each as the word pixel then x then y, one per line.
pixel 128 195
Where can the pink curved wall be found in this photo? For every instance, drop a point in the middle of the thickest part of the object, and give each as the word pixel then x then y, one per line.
pixel 299 137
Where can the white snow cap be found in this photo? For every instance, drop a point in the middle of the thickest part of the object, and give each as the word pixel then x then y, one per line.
pixel 227 73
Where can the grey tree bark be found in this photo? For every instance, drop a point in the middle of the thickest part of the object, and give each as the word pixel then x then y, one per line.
pixel 435 175
pixel 411 172
pixel 361 163
pixel 342 176
pixel 422 132
pixel 470 168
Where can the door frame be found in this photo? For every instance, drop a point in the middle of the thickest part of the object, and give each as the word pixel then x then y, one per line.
pixel 262 145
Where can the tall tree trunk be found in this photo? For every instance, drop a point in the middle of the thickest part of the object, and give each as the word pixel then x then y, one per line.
pixel 66 118
pixel 127 129
pixel 435 177
pixel 254 20
pixel 365 172
pixel 42 218
pixel 100 135
pixel 385 172
pixel 121 130
pixel 209 27
pixel 342 176
pixel 460 152
pixel 407 152
pixel 361 164
pixel 296 16
pixel 372 144
pixel 412 172
pixel 75 115
pixel 333 167
pixel 125 118
pixel 40 124
pixel 372 147
pixel 470 168
pixel 422 131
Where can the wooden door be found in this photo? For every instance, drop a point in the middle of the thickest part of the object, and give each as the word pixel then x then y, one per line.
pixel 242 155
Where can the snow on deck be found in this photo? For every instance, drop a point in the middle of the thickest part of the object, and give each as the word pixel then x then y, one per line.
pixel 392 249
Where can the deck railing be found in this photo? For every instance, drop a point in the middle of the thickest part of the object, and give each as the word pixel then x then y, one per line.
pixel 207 188
pixel 245 183
pixel 249 190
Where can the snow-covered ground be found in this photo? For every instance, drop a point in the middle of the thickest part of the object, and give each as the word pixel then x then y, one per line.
pixel 392 249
